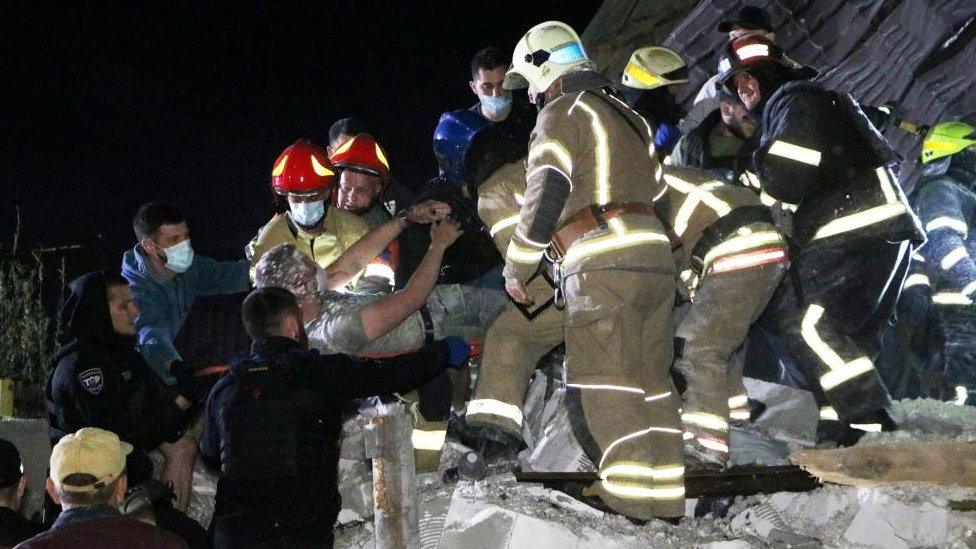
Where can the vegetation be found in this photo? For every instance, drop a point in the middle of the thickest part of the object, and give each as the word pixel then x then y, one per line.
pixel 25 332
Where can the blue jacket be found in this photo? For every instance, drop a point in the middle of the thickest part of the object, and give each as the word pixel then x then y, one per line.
pixel 166 302
pixel 946 204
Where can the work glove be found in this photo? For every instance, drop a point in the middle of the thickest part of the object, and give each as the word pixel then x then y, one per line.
pixel 458 352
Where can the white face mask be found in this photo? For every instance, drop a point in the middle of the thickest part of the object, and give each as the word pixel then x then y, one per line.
pixel 496 105
pixel 307 214
pixel 179 256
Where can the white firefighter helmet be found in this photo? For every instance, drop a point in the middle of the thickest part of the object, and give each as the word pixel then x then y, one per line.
pixel 653 67
pixel 548 51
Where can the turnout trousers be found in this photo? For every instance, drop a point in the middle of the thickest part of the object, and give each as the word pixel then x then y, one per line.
pixel 617 329
pixel 832 309
pixel 724 306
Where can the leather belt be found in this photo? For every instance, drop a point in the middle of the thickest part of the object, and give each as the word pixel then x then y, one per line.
pixel 428 325
pixel 593 217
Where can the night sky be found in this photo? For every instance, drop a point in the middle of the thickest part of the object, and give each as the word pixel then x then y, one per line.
pixel 108 105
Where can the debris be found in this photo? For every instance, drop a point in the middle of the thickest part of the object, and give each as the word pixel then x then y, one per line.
pixel 869 465
pixel 395 504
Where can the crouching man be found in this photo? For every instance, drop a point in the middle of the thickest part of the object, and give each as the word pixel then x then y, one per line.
pixel 273 425
pixel 101 380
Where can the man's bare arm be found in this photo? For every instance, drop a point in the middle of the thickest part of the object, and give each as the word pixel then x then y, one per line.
pixel 387 313
pixel 357 256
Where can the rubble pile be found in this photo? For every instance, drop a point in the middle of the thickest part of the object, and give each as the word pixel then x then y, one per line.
pixel 502 513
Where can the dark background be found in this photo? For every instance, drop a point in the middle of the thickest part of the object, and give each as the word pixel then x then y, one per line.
pixel 108 105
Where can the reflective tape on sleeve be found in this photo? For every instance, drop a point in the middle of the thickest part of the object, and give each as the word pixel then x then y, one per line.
pixel 946 222
pixel 797 153
pixel 535 244
pixel 557 150
pixel 740 414
pixel 713 444
pixel 503 224
pixel 950 259
pixel 658 396
pixel 968 289
pixel 916 279
pixel 520 254
pixel 635 470
pixel 860 220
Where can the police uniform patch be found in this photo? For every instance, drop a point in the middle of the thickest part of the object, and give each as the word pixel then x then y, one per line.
pixel 92 380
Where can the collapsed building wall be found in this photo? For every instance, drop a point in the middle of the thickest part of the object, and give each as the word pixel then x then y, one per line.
pixel 919 53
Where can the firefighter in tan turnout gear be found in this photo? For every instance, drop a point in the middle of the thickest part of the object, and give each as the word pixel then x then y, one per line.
pixel 730 260
pixel 591 175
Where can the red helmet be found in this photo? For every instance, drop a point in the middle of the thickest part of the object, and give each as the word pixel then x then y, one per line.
pixel 362 154
pixel 302 168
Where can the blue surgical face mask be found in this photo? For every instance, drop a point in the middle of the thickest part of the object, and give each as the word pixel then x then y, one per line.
pixel 179 256
pixel 307 214
pixel 496 105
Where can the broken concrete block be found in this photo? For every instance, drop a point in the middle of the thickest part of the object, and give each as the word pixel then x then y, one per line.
pixel 791 414
pixel 731 544
pixel 555 448
pixel 511 516
pixel 885 522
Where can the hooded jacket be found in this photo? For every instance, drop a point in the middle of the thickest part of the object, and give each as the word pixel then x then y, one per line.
pixel 694 150
pixel 99 379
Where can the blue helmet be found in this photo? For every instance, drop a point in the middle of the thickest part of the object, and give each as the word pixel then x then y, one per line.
pixel 454 134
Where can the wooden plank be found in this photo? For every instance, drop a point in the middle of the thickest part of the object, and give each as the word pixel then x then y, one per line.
pixel 943 463
pixel 737 481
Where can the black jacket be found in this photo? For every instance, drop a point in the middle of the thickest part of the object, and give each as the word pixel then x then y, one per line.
pixel 14 528
pixel 273 426
pixel 694 150
pixel 471 256
pixel 818 151
pixel 100 380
